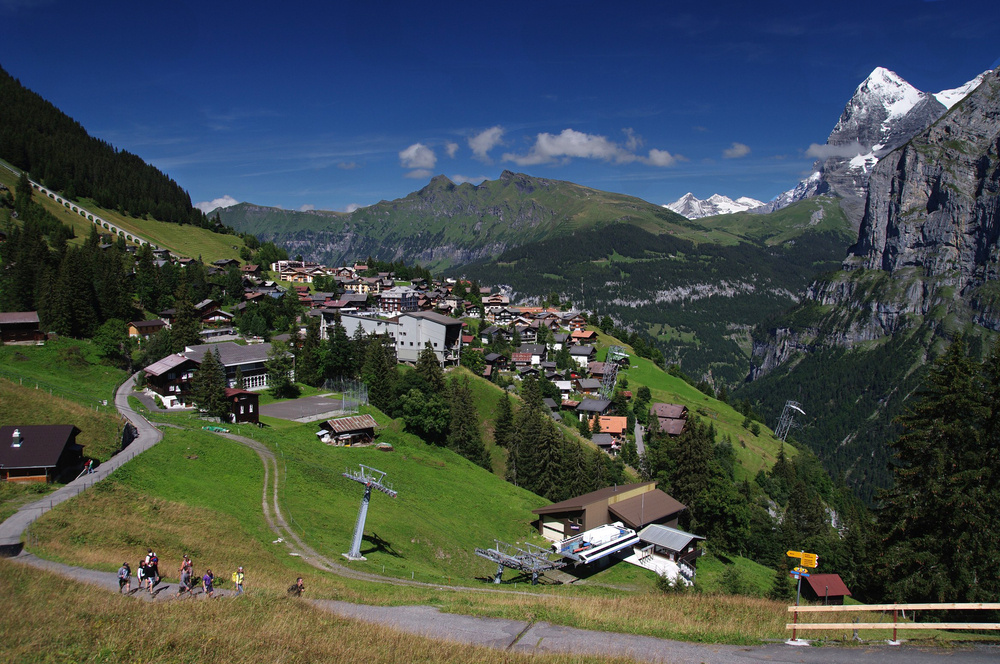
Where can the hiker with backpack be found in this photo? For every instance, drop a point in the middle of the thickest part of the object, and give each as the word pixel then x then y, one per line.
pixel 238 581
pixel 125 578
pixel 296 589
pixel 153 567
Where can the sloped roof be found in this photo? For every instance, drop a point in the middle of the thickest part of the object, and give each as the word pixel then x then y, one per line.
pixel 586 351
pixel 160 367
pixel 589 405
pixel 230 352
pixel 667 537
pixel 350 424
pixel 671 410
pixel 41 445
pixel 580 502
pixel 603 439
pixel 827 585
pixel 18 317
pixel 646 508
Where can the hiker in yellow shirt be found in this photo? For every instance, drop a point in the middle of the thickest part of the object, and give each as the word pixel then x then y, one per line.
pixel 238 580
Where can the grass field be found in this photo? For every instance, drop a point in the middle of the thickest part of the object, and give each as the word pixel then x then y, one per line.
pixel 63 367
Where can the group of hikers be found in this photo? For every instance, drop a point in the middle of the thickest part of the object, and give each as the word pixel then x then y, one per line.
pixel 148 576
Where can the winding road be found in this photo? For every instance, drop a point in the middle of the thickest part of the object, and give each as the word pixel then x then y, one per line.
pixel 508 635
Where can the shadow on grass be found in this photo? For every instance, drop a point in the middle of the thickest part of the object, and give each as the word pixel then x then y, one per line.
pixel 379 545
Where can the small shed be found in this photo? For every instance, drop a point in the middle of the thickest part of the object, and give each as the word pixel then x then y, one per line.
pixel 826 588
pixel 39 453
pixel 20 327
pixel 244 406
pixel 356 430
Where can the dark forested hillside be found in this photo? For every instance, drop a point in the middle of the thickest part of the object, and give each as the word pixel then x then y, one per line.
pixel 698 301
pixel 57 151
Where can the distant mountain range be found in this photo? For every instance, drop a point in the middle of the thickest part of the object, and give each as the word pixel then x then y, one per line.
pixel 693 208
pixel 883 113
pixel 445 224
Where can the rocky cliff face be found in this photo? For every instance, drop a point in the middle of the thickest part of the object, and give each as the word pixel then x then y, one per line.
pixel 928 246
pixel 933 204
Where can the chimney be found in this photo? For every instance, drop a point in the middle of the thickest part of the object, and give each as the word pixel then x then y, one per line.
pixel 16 438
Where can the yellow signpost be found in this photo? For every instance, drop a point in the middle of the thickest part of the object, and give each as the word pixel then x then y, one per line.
pixel 809 559
pixel 806 560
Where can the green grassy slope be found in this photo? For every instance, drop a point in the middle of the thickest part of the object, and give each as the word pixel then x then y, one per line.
pixel 186 240
pixel 813 215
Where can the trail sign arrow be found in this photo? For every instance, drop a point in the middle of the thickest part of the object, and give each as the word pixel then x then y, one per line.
pixel 810 560
pixel 793 554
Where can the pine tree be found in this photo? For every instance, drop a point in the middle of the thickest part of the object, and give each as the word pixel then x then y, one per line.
pixel 186 325
pixel 464 436
pixel 280 367
pixel 429 369
pixel 308 367
pixel 503 428
pixel 208 385
pixel 341 360
pixel 939 518
pixel 379 373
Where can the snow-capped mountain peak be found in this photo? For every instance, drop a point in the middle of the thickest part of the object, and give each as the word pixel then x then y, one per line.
pixel 691 207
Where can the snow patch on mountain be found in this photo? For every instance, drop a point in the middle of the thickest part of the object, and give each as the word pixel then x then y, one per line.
pixel 951 97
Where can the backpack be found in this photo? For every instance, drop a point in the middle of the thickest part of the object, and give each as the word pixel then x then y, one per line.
pixel 235 577
pixel 153 560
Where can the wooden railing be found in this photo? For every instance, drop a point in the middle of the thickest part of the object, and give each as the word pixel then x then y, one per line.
pixel 795 625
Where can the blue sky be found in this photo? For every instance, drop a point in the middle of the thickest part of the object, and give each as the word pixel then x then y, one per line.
pixel 331 105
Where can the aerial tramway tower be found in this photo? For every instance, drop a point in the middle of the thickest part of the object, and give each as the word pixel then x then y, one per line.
pixel 372 479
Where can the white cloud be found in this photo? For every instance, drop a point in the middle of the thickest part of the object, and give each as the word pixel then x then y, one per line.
pixel 736 150
pixel 484 141
pixel 659 158
pixel 224 202
pixel 347 165
pixel 826 151
pixel 459 179
pixel 352 207
pixel 307 208
pixel 417 155
pixel 549 148
pixel 420 174
pixel 451 149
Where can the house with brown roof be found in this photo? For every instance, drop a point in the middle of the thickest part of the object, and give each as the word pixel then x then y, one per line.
pixel 672 417
pixel 39 453
pixel 635 505
pixel 20 327
pixel 144 329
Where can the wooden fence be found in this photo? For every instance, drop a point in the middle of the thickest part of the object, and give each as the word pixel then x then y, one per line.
pixel 795 625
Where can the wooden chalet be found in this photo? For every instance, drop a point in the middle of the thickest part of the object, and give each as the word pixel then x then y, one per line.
pixel 144 329
pixel 20 327
pixel 671 417
pixel 244 405
pixel 356 430
pixel 40 453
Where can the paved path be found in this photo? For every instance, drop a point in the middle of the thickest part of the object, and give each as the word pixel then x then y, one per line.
pixel 640 447
pixel 147 436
